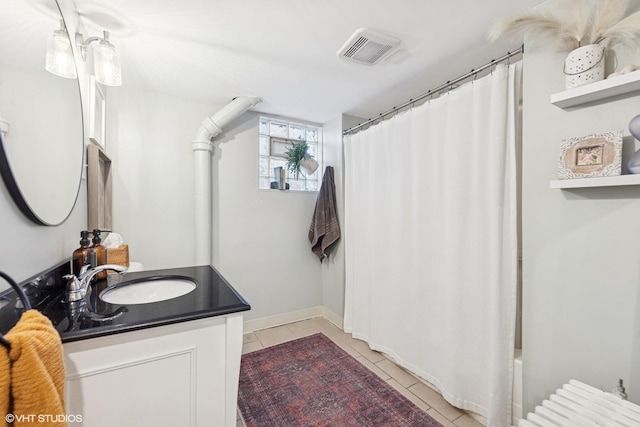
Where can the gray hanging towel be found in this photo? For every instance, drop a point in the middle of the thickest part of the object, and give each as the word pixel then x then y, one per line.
pixel 324 231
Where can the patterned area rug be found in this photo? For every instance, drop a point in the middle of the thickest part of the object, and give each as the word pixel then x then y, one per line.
pixel 313 382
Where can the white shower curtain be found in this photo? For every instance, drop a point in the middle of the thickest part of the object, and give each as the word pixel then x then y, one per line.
pixel 431 241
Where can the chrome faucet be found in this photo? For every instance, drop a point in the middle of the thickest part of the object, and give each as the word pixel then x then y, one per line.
pixel 77 286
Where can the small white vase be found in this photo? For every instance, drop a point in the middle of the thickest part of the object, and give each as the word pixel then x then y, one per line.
pixel 634 127
pixel 584 65
pixel 633 165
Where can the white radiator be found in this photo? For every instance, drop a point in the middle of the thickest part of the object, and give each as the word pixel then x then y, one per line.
pixel 579 405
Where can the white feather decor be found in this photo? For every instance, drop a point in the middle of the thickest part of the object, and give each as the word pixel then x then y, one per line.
pixel 573 23
pixel 607 13
pixel 543 28
pixel 625 32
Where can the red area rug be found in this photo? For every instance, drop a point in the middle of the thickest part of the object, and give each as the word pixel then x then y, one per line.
pixel 313 382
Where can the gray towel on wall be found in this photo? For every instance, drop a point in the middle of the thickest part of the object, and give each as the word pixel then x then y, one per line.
pixel 324 231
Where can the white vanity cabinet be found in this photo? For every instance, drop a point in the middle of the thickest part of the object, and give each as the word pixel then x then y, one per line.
pixel 182 374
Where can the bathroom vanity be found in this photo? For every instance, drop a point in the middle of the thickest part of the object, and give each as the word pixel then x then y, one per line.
pixel 183 374
pixel 174 362
pixel 168 363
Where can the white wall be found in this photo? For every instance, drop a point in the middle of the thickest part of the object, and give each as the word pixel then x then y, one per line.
pixel 260 237
pixel 26 248
pixel 149 139
pixel 581 249
pixel 260 241
pixel 333 268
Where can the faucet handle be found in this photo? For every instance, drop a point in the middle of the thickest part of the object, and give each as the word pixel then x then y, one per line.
pixel 73 284
pixel 69 277
pixel 74 289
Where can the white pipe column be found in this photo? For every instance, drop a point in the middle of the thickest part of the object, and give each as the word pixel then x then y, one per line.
pixel 203 208
pixel 202 149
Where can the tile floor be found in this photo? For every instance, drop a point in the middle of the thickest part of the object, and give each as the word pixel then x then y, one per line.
pixel 419 393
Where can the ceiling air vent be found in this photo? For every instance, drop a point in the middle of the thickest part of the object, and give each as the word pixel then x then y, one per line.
pixel 368 47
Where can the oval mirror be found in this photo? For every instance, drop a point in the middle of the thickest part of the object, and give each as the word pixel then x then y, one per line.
pixel 42 144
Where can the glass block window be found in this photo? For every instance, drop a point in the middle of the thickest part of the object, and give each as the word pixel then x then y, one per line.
pixel 276 135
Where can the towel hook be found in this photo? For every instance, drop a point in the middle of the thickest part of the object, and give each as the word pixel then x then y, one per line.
pixel 23 298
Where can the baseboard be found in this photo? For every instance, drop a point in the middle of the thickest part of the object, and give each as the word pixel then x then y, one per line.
pixel 281 319
pixel 517 414
pixel 291 317
pixel 332 317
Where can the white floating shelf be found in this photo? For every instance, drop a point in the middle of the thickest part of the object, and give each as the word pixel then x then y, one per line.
pixel 596 91
pixel 604 181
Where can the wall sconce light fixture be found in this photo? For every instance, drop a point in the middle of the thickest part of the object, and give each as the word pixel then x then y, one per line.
pixel 106 59
pixel 59 59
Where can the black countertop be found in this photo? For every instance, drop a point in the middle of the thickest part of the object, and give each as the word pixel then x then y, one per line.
pixel 92 317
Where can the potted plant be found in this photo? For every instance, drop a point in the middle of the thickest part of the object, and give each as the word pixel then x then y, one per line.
pixel 298 158
pixel 581 27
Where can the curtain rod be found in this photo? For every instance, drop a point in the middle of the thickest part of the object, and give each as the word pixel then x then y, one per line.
pixel 436 90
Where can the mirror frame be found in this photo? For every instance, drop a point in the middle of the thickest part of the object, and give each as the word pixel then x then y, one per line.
pixel 9 178
pixel 12 186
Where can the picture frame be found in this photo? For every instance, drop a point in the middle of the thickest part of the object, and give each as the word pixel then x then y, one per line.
pixel 279 147
pixel 97 114
pixel 99 189
pixel 591 156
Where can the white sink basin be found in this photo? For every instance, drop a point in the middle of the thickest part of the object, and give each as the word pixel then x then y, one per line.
pixel 147 290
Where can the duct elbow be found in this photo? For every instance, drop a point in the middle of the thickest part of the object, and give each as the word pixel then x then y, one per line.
pixel 233 110
pixel 207 131
pixel 212 126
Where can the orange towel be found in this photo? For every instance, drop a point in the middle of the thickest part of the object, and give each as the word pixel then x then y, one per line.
pixel 5 383
pixel 37 372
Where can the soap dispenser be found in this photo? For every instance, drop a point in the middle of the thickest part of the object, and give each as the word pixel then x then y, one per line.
pixel 101 252
pixel 81 255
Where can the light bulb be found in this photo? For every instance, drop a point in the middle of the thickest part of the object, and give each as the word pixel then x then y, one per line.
pixel 59 59
pixel 107 64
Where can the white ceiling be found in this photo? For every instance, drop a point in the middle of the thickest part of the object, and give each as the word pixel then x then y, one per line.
pixel 285 50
